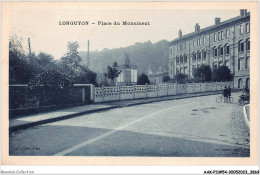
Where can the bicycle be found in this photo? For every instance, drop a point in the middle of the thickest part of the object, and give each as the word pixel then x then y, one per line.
pixel 226 100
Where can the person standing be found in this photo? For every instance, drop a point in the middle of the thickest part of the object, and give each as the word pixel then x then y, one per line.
pixel 225 94
pixel 229 93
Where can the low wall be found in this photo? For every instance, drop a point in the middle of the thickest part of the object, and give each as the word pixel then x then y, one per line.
pixel 102 94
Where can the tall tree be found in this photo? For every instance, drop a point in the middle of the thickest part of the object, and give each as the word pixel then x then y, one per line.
pixel 71 60
pixel 112 72
pixel 19 70
pixel 203 73
pixel 222 73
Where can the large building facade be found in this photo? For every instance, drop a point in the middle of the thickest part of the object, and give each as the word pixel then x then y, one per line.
pixel 225 43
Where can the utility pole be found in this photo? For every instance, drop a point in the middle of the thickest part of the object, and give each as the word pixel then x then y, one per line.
pixel 88 59
pixel 29 47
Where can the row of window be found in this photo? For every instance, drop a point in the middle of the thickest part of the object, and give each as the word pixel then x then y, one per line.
pixel 199 41
pixel 183 70
pixel 241 28
pixel 219 51
pixel 241 47
pixel 220 35
pixel 195 55
pixel 247 63
pixel 215 66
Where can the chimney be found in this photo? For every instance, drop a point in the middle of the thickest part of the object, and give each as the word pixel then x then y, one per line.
pixel 246 12
pixel 197 27
pixel 180 33
pixel 242 12
pixel 217 21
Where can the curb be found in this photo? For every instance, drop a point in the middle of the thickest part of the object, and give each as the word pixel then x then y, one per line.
pixel 28 125
pixel 246 117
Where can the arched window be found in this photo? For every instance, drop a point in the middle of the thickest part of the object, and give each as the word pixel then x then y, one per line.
pixel 177 60
pixel 227 33
pixel 247 63
pixel 215 36
pixel 215 51
pixel 241 29
pixel 221 50
pixel 227 51
pixel 199 55
pixel 204 54
pixel 247 44
pixel 248 82
pixel 194 56
pixel 247 27
pixel 185 58
pixel 240 83
pixel 240 46
pixel 181 59
pixel 239 64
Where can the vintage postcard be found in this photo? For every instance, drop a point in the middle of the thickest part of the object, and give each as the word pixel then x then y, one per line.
pixel 129 83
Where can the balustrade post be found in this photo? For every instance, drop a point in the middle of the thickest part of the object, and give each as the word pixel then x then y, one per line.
pixel 146 93
pixel 186 88
pixel 119 90
pixel 134 91
pixel 176 88
pixel 193 87
pixel 157 89
pixel 103 93
pixel 167 88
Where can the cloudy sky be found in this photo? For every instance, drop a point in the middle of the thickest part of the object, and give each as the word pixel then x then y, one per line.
pixel 42 26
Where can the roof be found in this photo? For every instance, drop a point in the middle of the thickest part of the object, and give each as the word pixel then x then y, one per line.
pixel 207 29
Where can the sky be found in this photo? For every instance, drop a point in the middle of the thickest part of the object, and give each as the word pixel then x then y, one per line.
pixel 42 26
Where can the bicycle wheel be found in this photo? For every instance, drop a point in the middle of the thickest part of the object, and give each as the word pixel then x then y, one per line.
pixel 219 99
pixel 231 99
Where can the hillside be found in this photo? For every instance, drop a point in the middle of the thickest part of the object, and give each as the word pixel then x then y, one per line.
pixel 141 54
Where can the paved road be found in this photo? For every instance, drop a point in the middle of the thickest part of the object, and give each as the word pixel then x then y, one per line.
pixel 190 127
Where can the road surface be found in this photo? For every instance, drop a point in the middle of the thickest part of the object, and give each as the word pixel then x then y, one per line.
pixel 191 127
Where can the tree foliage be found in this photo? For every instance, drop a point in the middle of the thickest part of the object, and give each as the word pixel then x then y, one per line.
pixel 203 73
pixel 71 58
pixel 153 54
pixel 222 73
pixel 180 78
pixel 166 78
pixel 50 87
pixel 143 79
pixel 112 72
pixel 19 67
pixel 86 76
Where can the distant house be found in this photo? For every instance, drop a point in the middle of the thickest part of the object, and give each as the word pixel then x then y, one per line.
pixel 128 75
pixel 156 76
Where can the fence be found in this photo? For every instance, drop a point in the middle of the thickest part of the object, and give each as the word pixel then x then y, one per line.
pixel 102 94
pixel 20 96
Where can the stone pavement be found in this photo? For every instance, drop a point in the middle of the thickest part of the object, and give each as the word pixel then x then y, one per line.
pixel 49 117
